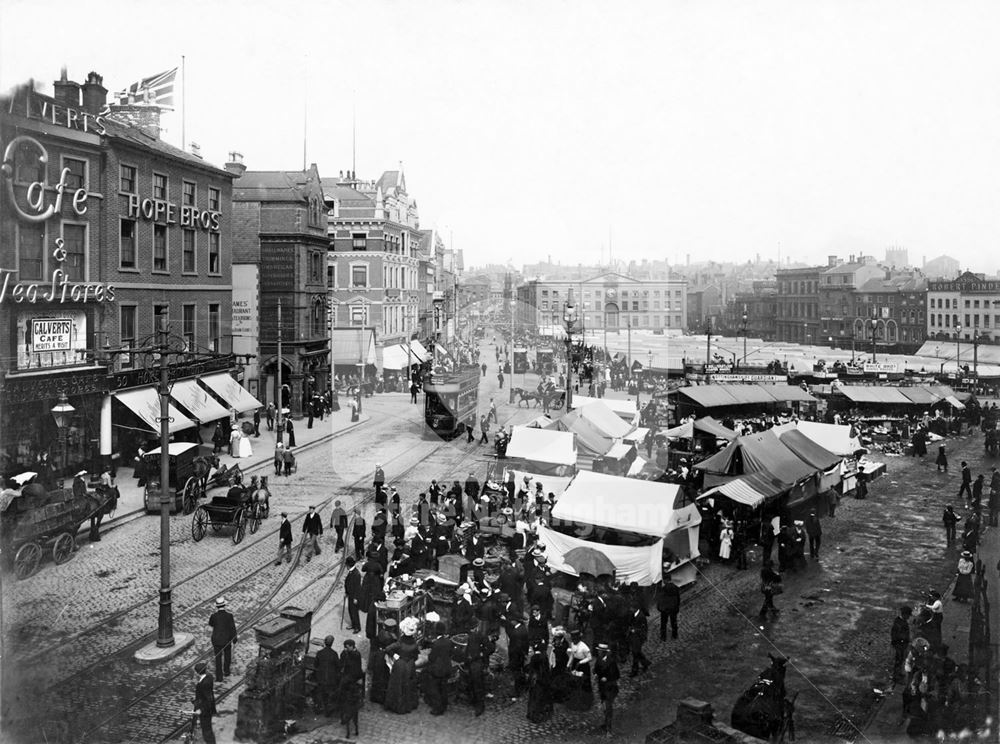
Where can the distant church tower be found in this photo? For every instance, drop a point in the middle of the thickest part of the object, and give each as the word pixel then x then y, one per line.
pixel 897 257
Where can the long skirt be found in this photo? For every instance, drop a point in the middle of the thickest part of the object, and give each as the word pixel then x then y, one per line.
pixel 580 695
pixel 380 676
pixel 963 587
pixel 539 699
pixel 402 695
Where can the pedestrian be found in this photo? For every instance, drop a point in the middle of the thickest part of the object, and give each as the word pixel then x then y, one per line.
pixel 966 486
pixel 580 696
pixel 499 379
pixel 310 410
pixel 540 699
pixel 638 630
pixel 256 422
pixel 963 581
pixel 994 504
pixel 477 655
pixel 279 458
pixel 288 458
pixel 438 670
pixel 219 438
pixel 352 593
pixel 814 530
pixel 290 431
pixel 358 533
pixel 607 673
pixel 942 460
pixel 668 602
pixel 484 426
pixel 284 540
pixel 204 700
pixel 269 415
pixel 900 640
pixel 414 389
pixel 352 681
pixel 493 412
pixel 223 626
pixel 312 530
pixel 770 584
pixel 338 521
pixel 950 519
pixel 401 694
pixel 379 482
pixel 470 428
pixel 327 674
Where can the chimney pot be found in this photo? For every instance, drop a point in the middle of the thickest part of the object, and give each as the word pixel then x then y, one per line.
pixel 95 95
pixel 65 91
pixel 235 164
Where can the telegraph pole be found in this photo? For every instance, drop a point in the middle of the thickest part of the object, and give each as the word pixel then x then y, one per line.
pixel 165 624
pixel 280 395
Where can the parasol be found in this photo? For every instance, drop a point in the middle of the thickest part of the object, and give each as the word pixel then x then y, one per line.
pixel 589 561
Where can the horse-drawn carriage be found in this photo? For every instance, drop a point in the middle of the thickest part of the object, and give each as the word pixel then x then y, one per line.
pixel 548 399
pixel 39 521
pixel 242 508
pixel 188 476
pixel 764 710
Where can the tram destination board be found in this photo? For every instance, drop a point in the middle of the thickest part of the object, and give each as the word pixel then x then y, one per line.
pixel 450 401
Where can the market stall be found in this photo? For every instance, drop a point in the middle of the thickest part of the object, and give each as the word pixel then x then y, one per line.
pixel 599 508
pixel 542 451
pixel 642 564
pixel 626 409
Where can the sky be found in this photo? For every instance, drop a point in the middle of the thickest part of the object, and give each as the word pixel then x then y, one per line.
pixel 672 129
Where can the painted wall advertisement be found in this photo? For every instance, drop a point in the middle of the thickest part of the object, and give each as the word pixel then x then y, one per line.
pixel 57 340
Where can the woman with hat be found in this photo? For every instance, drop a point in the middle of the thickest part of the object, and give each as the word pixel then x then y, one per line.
pixel 963 584
pixel 401 694
pixel 539 684
pixel 580 694
pixel 559 659
pixel 377 662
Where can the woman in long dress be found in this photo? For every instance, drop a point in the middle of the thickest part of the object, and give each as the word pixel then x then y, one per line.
pixel 246 450
pixel 539 685
pixel 581 693
pixel 963 584
pixel 401 694
pixel 725 541
pixel 377 662
pixel 559 677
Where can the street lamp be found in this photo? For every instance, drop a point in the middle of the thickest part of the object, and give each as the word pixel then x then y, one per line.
pixel 62 412
pixel 746 319
pixel 958 351
pixel 874 326
pixel 569 319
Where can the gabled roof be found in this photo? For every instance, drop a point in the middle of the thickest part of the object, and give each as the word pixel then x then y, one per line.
pixel 272 186
pixel 346 195
pixel 762 452
pixel 613 275
pixel 391 181
pixel 903 283
pixel 845 268
pixel 135 136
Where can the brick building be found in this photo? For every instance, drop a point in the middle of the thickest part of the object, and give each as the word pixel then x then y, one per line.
pixel 896 301
pixel 838 284
pixel 797 305
pixel 966 307
pixel 140 231
pixel 280 248
pixel 760 307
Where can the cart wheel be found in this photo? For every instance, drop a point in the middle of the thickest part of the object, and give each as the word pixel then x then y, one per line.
pixel 199 523
pixel 192 492
pixel 240 525
pixel 26 560
pixel 62 549
pixel 254 520
pixel 558 404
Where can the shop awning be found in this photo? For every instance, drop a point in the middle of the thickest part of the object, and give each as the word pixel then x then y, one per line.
pixel 835 438
pixel 737 490
pixel 788 393
pixel 418 350
pixel 350 345
pixel 709 396
pixel 919 395
pixel 145 403
pixel 638 436
pixel 394 357
pixel 642 565
pixel 542 445
pixel 874 394
pixel 197 401
pixel 223 385
pixel 954 401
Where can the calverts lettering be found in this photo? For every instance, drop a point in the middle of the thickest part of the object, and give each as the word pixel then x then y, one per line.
pixel 60 289
pixel 35 193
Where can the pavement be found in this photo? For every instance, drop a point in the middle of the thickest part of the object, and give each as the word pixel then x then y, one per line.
pixel 131 502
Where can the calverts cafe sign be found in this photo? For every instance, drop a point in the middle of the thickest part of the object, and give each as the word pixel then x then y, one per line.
pixel 37 203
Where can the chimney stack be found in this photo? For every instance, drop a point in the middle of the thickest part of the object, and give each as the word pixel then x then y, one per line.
pixel 67 93
pixel 235 164
pixel 195 149
pixel 831 261
pixel 95 95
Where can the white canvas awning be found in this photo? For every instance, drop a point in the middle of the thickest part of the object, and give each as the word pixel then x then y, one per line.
pixel 737 490
pixel 637 436
pixel 394 357
pixel 835 438
pixel 223 385
pixel 198 401
pixel 418 348
pixel 550 483
pixel 628 504
pixel 348 346
pixel 144 402
pixel 625 409
pixel 542 445
pixel 643 565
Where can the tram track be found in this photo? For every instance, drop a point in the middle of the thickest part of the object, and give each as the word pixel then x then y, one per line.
pixel 145 711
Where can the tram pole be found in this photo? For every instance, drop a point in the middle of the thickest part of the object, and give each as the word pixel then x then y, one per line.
pixel 165 623
pixel 279 392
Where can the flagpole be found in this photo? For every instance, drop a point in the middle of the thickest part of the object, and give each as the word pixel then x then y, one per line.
pixel 184 108
pixel 305 112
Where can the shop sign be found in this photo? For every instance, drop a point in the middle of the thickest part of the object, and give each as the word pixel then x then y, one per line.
pixel 881 367
pixel 64 116
pixel 158 210
pixel 245 308
pixel 749 378
pixel 56 341
pixel 32 207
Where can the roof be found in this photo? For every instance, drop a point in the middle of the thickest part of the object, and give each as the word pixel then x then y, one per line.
pixel 346 195
pixel 706 425
pixel 550 483
pixel 542 445
pixel 718 396
pixel 606 420
pixel 874 394
pixel 739 490
pixel 844 268
pixel 788 393
pixel 626 409
pixel 903 283
pixel 135 136
pixel 760 452
pixel 920 395
pixel 271 186
pixel 589 437
pixel 628 504
pixel 808 451
pixel 835 438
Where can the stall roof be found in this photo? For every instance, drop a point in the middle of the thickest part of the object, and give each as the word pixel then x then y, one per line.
pixel 625 409
pixel 739 490
pixel 604 419
pixel 619 450
pixel 788 393
pixel 550 483
pixel 709 396
pixel 629 504
pixel 760 452
pixel 874 394
pixel 705 425
pixel 808 451
pixel 542 445
pixel 835 438
pixel 920 395
pixel 589 438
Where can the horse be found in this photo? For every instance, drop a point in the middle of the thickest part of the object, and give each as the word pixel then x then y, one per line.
pixel 764 711
pixel 259 492
pixel 526 396
pixel 203 465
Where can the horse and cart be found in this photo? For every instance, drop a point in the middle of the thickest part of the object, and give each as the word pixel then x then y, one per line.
pixel 189 476
pixel 765 710
pixel 38 521
pixel 549 399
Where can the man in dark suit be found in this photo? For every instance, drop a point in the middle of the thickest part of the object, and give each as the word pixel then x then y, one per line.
pixel 668 602
pixel 517 654
pixel 312 528
pixel 379 483
pixel 438 672
pixel 352 590
pixel 284 540
pixel 223 638
pixel 327 677
pixel 477 655
pixel 352 680
pixel 359 532
pixel 338 520
pixel 204 701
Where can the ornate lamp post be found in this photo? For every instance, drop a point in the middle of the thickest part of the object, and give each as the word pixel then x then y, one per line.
pixel 569 319
pixel 746 319
pixel 874 326
pixel 62 412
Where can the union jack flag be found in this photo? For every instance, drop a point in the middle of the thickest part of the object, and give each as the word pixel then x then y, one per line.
pixel 156 89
